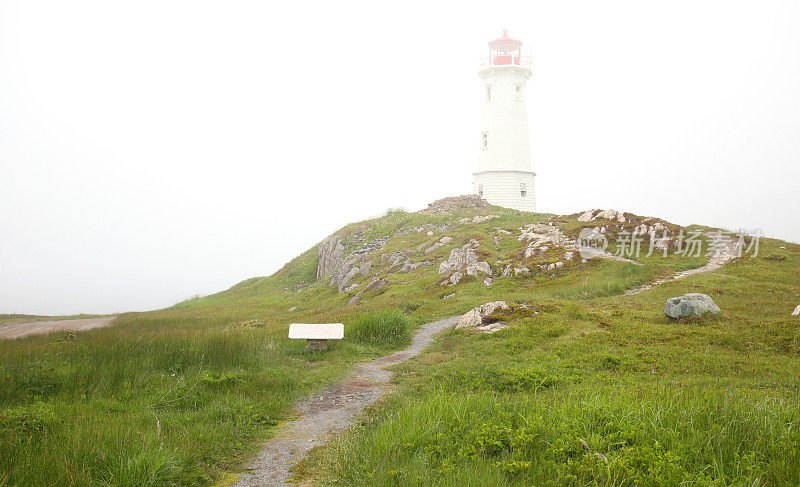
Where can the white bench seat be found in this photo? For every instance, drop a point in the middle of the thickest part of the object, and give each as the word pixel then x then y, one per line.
pixel 316 334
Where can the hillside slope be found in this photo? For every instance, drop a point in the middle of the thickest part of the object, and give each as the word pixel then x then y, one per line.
pixel 402 255
pixel 182 396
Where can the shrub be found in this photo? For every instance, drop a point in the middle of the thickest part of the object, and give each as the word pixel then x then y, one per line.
pixel 385 327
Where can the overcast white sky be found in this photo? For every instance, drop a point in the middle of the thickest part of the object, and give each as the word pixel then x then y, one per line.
pixel 153 150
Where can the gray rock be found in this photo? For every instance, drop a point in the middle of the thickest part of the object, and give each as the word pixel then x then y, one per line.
pixel 796 311
pixel 365 267
pixel 476 316
pixel 610 215
pixel 454 203
pixel 438 244
pixel 491 327
pixel 330 256
pixel 692 304
pixel 347 279
pixel 478 219
pixel 449 296
pixel 488 281
pixel 376 283
pixel 469 319
pixel 460 258
pixel 474 269
pixel 463 260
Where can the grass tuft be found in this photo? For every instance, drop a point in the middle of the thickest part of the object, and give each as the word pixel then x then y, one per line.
pixel 386 327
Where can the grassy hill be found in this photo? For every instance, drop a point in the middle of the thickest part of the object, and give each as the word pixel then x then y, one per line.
pixel 586 386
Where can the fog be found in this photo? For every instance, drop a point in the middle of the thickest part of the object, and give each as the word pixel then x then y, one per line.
pixel 155 150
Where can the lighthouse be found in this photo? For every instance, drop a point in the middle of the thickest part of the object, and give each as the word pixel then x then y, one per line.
pixel 504 176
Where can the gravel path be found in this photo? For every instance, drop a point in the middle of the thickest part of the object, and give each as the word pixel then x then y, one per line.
pixel 715 262
pixel 330 412
pixel 18 330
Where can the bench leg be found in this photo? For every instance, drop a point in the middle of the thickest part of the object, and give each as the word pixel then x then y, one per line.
pixel 316 344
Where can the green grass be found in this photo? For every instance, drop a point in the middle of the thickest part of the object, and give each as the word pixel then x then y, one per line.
pixel 617 434
pixel 384 328
pixel 182 396
pixel 655 401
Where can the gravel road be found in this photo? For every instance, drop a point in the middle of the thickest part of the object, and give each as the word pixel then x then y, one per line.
pixel 17 330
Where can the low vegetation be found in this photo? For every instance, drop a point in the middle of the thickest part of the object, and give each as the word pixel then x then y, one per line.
pixel 388 327
pixel 584 387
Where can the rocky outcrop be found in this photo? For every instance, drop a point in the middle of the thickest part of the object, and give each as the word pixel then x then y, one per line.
pixel 375 284
pixel 692 304
pixel 455 277
pixel 349 271
pixel 480 315
pixel 438 244
pixel 396 259
pixel 410 266
pixel 330 254
pixel 463 261
pixel 478 219
pixel 454 203
pixel 512 270
pixel 542 238
pixel 592 215
pixel 401 261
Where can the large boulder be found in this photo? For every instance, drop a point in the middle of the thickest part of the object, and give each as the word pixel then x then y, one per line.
pixel 470 318
pixel 478 315
pixel 692 304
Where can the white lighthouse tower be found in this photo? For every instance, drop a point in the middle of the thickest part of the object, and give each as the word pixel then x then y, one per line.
pixel 504 176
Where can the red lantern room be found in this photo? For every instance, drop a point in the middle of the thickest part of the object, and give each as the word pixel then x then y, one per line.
pixel 505 51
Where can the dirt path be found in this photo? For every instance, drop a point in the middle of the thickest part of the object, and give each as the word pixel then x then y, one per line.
pixel 18 330
pixel 330 411
pixel 726 254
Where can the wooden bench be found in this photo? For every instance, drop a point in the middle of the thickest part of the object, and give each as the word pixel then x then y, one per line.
pixel 316 334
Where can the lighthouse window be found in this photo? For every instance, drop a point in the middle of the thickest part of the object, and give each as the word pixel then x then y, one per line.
pixel 518 92
pixel 484 140
pixel 488 93
pixel 522 190
pixel 480 191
